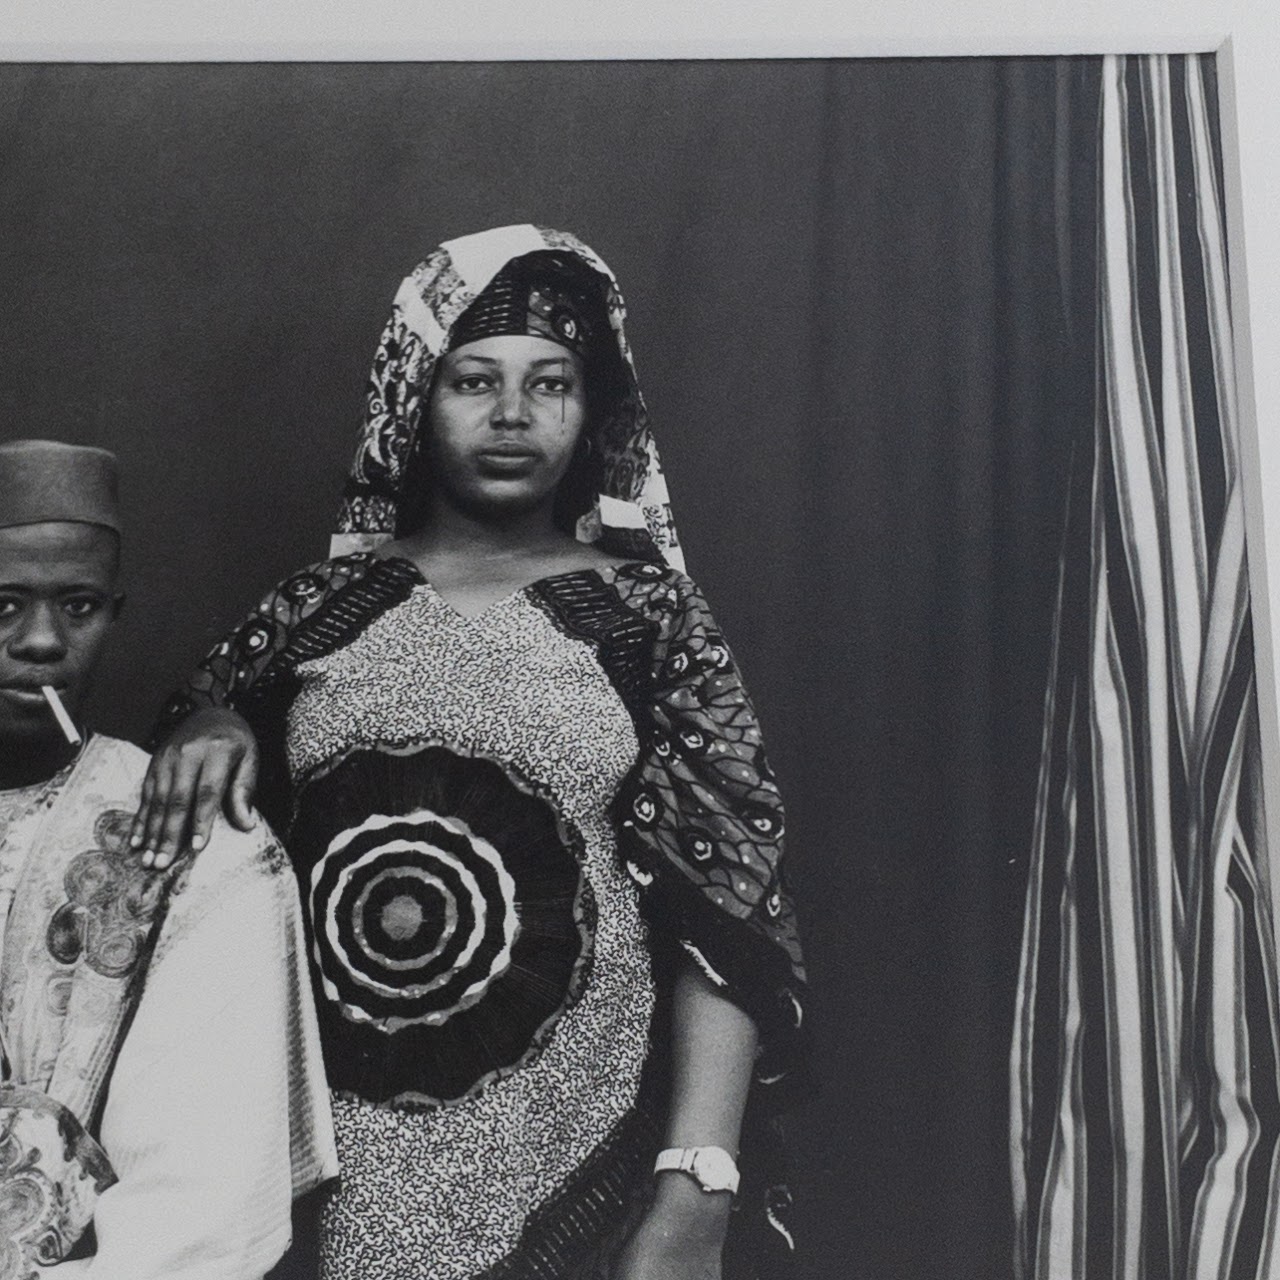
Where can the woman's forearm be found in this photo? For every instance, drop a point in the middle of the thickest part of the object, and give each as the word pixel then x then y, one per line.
pixel 713 1050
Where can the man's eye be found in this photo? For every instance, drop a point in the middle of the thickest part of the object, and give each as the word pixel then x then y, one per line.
pixel 82 606
pixel 9 606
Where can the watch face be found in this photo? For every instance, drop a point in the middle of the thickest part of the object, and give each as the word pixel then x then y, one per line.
pixel 715 1169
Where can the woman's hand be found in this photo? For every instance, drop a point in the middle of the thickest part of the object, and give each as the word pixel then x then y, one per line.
pixel 210 762
pixel 681 1237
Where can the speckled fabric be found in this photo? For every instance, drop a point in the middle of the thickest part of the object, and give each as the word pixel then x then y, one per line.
pixel 521 708
pixel 444 1191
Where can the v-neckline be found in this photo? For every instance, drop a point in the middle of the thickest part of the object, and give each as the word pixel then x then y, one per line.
pixel 509 596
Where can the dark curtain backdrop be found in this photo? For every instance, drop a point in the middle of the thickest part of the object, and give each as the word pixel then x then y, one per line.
pixel 847 285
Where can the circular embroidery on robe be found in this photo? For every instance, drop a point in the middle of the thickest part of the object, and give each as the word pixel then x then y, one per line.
pixel 51 1173
pixel 450 923
pixel 111 904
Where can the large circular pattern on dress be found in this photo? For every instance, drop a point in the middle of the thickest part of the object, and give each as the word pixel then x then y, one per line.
pixel 449 921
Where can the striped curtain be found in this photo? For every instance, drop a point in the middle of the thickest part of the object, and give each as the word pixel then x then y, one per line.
pixel 1145 1104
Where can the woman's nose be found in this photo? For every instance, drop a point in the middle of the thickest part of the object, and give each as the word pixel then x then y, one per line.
pixel 39 637
pixel 511 408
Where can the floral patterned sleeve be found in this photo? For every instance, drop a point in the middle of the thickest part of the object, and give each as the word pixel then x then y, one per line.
pixel 700 818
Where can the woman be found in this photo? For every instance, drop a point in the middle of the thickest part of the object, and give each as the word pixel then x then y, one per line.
pixel 526 798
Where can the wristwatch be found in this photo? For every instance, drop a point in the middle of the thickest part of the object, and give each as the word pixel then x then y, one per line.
pixel 712 1168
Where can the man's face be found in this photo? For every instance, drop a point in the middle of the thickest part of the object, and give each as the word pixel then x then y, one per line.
pixel 57 603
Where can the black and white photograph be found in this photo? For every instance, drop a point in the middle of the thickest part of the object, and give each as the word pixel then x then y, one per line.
pixel 635 667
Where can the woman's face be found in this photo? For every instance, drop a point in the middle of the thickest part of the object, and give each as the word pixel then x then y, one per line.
pixel 502 423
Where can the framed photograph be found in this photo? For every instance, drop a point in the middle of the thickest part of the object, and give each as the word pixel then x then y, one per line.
pixel 952 336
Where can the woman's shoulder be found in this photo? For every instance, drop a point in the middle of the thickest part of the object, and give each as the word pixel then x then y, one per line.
pixel 662 593
pixel 651 577
pixel 355 564
pixel 311 587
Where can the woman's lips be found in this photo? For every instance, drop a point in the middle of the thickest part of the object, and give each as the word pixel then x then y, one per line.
pixel 508 448
pixel 507 458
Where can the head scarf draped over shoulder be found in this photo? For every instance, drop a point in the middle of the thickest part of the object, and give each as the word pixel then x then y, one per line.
pixel 630 514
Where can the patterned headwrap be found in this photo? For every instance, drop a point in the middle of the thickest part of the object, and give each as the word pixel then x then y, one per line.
pixel 523 279
pixel 549 294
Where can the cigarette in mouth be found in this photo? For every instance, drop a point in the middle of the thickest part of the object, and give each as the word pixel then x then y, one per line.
pixel 60 714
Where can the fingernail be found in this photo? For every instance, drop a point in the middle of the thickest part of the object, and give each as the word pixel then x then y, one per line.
pixel 135 841
pixel 199 843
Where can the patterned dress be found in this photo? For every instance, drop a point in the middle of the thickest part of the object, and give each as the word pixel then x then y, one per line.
pixel 507 829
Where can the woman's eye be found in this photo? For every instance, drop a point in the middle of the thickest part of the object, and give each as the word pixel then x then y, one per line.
pixel 470 382
pixel 556 386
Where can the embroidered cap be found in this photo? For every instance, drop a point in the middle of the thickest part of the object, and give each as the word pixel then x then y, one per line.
pixel 44 480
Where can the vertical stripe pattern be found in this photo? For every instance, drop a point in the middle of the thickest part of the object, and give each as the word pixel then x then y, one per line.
pixel 1145 1107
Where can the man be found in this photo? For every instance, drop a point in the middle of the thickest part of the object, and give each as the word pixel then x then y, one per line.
pixel 163 1097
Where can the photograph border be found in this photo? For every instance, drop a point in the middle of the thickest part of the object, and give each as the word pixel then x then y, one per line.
pixel 1244 37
